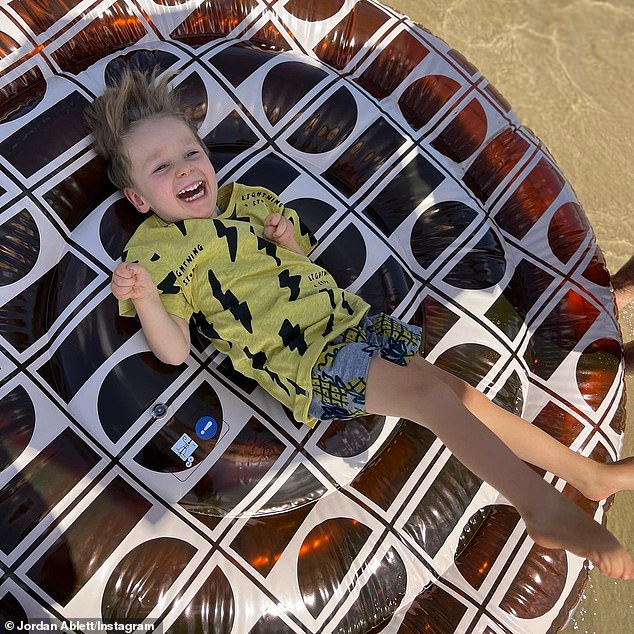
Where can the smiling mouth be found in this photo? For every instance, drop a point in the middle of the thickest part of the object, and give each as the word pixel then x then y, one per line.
pixel 193 192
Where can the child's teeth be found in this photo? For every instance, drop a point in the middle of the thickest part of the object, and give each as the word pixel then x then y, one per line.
pixel 193 188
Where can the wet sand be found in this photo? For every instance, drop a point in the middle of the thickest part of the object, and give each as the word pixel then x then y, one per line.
pixel 566 68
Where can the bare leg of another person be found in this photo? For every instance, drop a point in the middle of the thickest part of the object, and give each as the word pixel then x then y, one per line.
pixel 628 352
pixel 623 283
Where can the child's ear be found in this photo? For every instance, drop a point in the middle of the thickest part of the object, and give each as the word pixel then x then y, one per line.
pixel 136 199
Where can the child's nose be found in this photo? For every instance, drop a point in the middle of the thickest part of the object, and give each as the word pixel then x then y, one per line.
pixel 183 169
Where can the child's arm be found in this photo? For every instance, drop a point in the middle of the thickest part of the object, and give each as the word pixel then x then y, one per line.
pixel 167 335
pixel 280 230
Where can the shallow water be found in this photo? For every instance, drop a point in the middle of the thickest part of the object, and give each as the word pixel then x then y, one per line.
pixel 565 66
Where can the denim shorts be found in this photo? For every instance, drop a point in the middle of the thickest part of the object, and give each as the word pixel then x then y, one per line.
pixel 340 375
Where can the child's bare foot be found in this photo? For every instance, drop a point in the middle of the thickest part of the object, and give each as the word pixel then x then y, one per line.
pixel 623 283
pixel 604 480
pixel 567 527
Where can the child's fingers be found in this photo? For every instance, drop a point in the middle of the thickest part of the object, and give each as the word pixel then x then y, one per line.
pixel 122 293
pixel 272 221
pixel 122 280
pixel 131 292
pixel 278 224
pixel 128 292
pixel 123 276
pixel 270 224
pixel 134 269
pixel 137 274
pixel 283 228
pixel 277 227
pixel 125 269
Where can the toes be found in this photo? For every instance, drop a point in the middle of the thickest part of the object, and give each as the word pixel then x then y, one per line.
pixel 623 568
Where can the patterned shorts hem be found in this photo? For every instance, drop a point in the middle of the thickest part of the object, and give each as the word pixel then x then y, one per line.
pixel 340 375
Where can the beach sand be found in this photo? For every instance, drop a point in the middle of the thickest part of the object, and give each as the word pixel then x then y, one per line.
pixel 566 68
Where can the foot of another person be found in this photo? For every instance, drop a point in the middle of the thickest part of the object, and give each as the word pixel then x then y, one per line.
pixel 623 283
pixel 565 526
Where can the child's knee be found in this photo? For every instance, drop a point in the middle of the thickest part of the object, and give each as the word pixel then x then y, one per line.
pixel 433 373
pixel 394 390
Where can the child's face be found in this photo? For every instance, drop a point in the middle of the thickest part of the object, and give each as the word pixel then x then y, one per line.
pixel 171 174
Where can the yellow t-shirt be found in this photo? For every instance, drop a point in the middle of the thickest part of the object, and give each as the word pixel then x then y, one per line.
pixel 269 309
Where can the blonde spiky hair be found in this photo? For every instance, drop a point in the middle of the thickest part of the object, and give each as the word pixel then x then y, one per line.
pixel 112 116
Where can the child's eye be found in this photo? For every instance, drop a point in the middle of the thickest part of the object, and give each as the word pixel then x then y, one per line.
pixel 161 167
pixel 192 153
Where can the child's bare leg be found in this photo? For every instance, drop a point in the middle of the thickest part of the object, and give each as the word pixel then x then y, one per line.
pixel 623 283
pixel 595 480
pixel 417 393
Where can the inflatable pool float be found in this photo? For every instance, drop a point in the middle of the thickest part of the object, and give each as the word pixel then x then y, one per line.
pixel 134 492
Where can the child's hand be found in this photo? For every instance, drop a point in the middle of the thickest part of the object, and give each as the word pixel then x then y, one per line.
pixel 279 229
pixel 132 281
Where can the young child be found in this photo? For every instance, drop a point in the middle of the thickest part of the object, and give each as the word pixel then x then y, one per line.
pixel 234 261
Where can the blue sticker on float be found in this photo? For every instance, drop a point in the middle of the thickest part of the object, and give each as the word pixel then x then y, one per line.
pixel 206 427
pixel 184 448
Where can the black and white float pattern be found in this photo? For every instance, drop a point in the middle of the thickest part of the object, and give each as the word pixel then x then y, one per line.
pixel 217 512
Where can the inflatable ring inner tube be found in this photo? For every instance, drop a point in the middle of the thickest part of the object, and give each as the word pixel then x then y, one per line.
pixel 429 199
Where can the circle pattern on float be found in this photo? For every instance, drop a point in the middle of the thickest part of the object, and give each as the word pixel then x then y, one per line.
pixel 428 199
